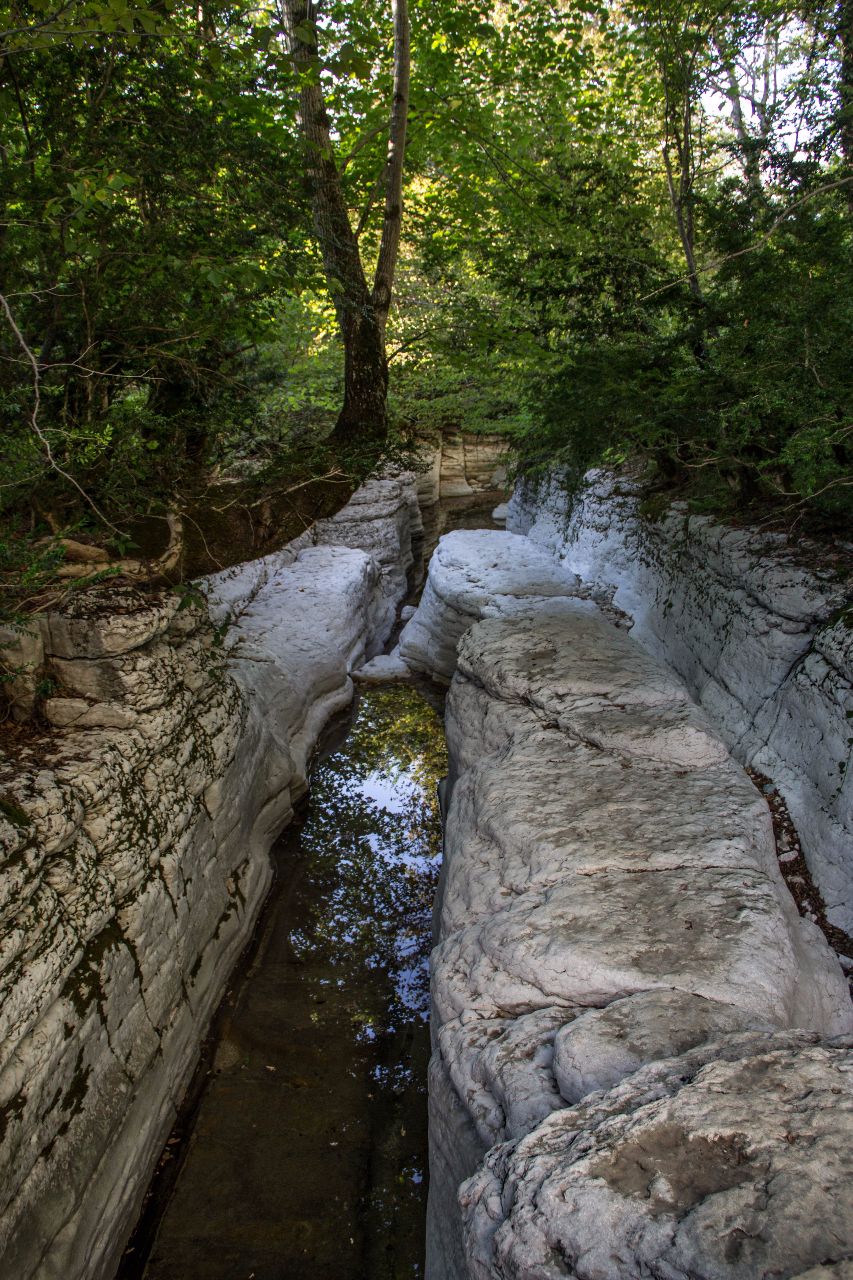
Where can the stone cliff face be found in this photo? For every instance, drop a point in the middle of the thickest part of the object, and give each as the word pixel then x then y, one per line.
pixel 624 993
pixel 135 846
pixel 472 462
pixel 763 642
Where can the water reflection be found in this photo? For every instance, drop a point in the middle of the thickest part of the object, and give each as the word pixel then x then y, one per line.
pixel 308 1156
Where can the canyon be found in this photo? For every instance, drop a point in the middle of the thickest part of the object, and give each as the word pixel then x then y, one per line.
pixel 642 1051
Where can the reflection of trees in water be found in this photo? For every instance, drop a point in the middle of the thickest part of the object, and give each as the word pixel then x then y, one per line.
pixel 374 838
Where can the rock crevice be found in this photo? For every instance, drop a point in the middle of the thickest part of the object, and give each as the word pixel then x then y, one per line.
pixel 135 854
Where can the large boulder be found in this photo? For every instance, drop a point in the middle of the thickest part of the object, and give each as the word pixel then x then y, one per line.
pixel 610 897
pixel 476 573
pixel 729 1163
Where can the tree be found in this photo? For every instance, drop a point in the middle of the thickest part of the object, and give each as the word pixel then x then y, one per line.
pixel 150 198
pixel 362 310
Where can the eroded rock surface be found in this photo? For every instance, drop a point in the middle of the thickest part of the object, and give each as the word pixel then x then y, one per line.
pixel 476 573
pixel 472 462
pixel 729 1163
pixel 761 635
pixel 135 855
pixel 610 897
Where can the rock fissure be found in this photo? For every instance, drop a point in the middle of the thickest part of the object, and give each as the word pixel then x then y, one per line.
pixel 182 740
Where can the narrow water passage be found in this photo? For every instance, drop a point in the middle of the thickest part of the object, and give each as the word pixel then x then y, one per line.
pixel 308 1151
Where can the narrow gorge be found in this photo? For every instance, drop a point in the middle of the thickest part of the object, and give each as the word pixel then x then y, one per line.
pixel 641 1049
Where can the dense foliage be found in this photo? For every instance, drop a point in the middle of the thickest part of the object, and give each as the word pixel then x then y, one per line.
pixel 644 251
pixel 627 235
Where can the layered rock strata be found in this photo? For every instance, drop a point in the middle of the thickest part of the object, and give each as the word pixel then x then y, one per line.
pixel 472 463
pixel 762 636
pixel 135 855
pixel 611 898
pixel 476 573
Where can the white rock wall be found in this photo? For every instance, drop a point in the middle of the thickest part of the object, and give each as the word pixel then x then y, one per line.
pixel 135 845
pixel 764 643
pixel 470 463
pixel 610 898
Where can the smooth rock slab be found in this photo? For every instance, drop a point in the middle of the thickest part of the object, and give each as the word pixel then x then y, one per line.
pixel 586 864
pixel 757 629
pixel 729 1163
pixel 474 573
pixel 610 896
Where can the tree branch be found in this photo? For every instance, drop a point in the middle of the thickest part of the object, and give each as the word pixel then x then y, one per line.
pixel 34 422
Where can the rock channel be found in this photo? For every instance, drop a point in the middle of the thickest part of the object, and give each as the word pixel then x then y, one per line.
pixel 642 1053
pixel 135 854
pixel 643 1061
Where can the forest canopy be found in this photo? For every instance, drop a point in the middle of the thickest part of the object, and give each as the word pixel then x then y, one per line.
pixel 625 238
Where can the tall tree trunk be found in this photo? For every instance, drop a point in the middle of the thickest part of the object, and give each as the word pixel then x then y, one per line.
pixel 679 179
pixel 392 223
pixel 362 312
pixel 845 116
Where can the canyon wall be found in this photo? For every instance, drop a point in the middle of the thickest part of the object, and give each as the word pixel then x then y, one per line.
pixel 470 463
pixel 135 852
pixel 642 1054
pixel 761 633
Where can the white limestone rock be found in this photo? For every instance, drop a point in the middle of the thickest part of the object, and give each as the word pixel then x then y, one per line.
pixel 610 893
pixel 731 1162
pixel 134 852
pixel 503 1069
pixel 474 573
pixel 107 620
pixel 383 669
pixel 761 639
pixel 603 1046
pixel 382 518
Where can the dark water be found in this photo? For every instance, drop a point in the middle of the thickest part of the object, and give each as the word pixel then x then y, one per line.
pixel 305 1154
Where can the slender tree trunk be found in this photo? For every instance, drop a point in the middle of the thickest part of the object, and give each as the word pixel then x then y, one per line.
pixel 680 186
pixel 750 147
pixel 362 312
pixel 392 222
pixel 845 36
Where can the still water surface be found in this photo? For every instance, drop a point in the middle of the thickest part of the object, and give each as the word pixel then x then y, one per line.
pixel 306 1153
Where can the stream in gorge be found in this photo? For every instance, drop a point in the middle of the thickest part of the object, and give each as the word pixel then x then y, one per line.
pixel 302 1149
